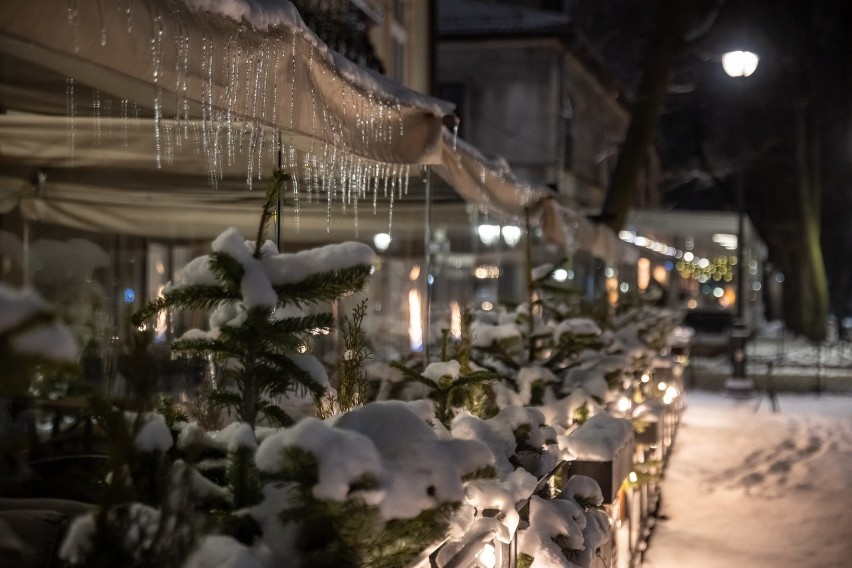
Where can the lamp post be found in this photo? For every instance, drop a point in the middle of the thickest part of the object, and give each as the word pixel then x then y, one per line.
pixel 740 64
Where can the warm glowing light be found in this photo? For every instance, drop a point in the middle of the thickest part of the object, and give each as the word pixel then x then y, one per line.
pixel 560 275
pixel 415 273
pixel 485 271
pixel 688 256
pixel 725 240
pixel 487 306
pixel 661 275
pixel 415 326
pixel 623 404
pixel 662 386
pixel 511 234
pixel 455 320
pixel 487 557
pixel 645 377
pixel 670 396
pixel 488 234
pixel 692 303
pixel 612 290
pixel 643 273
pixel 739 63
pixel 382 241
pixel 728 298
pixel 161 269
pixel 162 324
pixel 632 477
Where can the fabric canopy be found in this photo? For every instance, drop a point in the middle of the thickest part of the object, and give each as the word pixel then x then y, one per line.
pixel 110 183
pixel 490 183
pixel 169 60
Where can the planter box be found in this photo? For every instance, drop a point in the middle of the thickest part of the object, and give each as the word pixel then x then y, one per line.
pixel 608 473
pixel 652 435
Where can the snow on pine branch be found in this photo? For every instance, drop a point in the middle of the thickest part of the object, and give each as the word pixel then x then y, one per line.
pixel 261 275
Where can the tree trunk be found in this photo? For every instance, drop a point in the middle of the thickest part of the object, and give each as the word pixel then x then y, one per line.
pixel 665 45
pixel 813 286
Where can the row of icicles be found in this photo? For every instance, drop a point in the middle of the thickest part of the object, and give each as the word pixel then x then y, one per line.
pixel 241 122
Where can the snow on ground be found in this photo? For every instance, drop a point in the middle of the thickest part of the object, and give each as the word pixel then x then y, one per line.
pixel 757 489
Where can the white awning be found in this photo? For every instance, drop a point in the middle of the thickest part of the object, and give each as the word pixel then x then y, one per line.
pixel 168 60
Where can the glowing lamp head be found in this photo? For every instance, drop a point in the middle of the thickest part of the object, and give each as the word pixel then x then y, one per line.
pixel 739 63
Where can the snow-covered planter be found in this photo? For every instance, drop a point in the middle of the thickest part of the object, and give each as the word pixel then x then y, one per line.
pixel 372 487
pixel 648 419
pixel 516 436
pixel 604 449
pixel 565 532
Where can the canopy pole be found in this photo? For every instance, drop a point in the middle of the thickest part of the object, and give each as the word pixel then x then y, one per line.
pixel 279 165
pixel 427 249
pixel 530 288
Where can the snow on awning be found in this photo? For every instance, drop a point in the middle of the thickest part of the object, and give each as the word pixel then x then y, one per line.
pixel 173 60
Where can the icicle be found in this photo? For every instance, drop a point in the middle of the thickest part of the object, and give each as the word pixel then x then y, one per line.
pixel 70 111
pixel 401 122
pixel 456 134
pixel 103 26
pixel 265 54
pixel 390 215
pixel 129 13
pixel 156 61
pixel 292 89
pixel 379 132
pixel 73 14
pixel 106 110
pixel 313 98
pixel 294 182
pixel 386 175
pixel 181 71
pixel 96 112
pixel 168 134
pixel 355 213
pixel 124 120
pixel 328 209
pixel 405 179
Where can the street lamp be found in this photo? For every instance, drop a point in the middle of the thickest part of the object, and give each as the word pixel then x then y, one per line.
pixel 740 64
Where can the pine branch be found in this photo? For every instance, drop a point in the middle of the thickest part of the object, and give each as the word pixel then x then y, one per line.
pixel 352 378
pixel 228 271
pixel 243 477
pixel 476 378
pixel 218 398
pixel 199 346
pixel 303 324
pixel 324 286
pixel 499 352
pixel 413 376
pixel 293 371
pixel 276 415
pixel 193 297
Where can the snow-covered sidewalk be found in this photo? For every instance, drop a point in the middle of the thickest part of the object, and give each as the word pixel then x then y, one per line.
pixel 758 489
